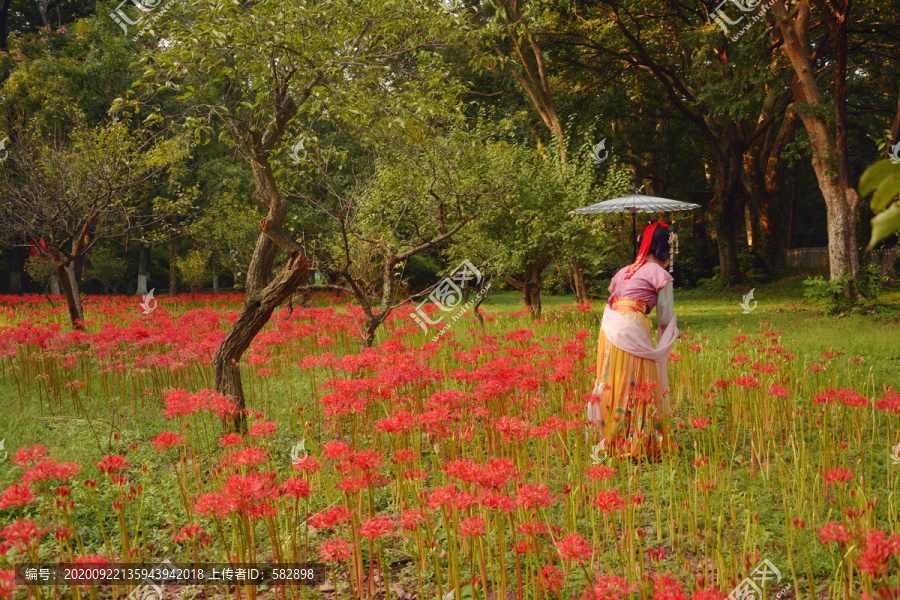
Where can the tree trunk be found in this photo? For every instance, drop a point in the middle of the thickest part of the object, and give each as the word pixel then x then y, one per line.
pixel 4 25
pixel 262 297
pixel 532 287
pixel 726 202
pixel 371 328
pixel 477 308
pixel 255 313
pixel 751 219
pixel 17 257
pixel 173 273
pixel 215 279
pixel 828 141
pixel 578 281
pixel 54 284
pixel 843 255
pixel 143 269
pixel 66 275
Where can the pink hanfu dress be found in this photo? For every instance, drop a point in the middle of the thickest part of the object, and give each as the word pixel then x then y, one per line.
pixel 630 403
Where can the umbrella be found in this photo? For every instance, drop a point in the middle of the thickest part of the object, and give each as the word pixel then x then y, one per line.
pixel 635 203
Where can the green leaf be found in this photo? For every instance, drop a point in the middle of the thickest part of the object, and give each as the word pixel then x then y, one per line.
pixel 884 224
pixel 883 176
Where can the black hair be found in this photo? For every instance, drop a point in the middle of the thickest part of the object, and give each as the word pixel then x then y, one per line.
pixel 659 245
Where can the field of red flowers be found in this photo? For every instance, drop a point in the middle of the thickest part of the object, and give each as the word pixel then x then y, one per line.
pixel 452 469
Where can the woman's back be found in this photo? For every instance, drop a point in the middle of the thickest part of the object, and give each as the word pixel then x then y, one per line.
pixel 644 285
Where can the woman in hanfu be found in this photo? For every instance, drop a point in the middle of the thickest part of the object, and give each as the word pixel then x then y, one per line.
pixel 630 403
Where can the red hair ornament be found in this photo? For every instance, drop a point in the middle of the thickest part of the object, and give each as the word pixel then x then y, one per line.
pixel 646 238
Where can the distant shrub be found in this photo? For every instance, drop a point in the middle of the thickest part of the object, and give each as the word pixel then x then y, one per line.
pixel 831 291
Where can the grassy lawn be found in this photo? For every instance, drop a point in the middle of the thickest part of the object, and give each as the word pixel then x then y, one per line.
pixel 752 462
pixel 718 314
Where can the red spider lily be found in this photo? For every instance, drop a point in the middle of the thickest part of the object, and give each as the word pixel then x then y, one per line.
pixel 336 550
pixel 262 429
pixel 376 527
pixel 352 485
pixel 838 476
pixel 776 391
pixel 188 532
pixel 25 456
pixel 890 401
pixel 400 422
pixel 296 487
pixel 526 547
pixel 23 533
pixel 655 554
pixel 551 579
pixel 247 495
pixel 442 497
pixel 62 533
pixel 761 367
pixel 410 519
pixel 336 450
pixel 309 465
pixel 534 497
pixel 403 455
pixel 609 501
pixel 181 403
pixel 112 463
pixel 746 382
pixel 91 559
pixel 230 439
pixel 701 422
pixel 367 460
pixel 18 494
pixel 610 587
pixel 330 518
pixel 877 548
pixel 601 472
pixel 575 548
pixel 166 440
pixel 532 528
pixel 835 532
pixel 48 469
pixel 472 526
pixel 249 456
pixel 497 501
pixel 7 583
pixel 666 587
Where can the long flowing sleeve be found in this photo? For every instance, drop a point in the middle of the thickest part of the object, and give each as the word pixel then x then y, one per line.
pixel 665 306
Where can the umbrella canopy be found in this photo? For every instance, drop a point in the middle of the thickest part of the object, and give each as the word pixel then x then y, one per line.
pixel 635 203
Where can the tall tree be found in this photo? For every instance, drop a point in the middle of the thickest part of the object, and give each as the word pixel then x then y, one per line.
pixel 257 66
pixel 69 194
pixel 825 118
pixel 705 79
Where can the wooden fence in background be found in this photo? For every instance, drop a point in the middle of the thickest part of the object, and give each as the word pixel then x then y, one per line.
pixel 818 257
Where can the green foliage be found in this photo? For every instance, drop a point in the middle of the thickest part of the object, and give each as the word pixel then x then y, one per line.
pixel 195 268
pixel 755 266
pixel 40 270
pixel 870 280
pixel 832 292
pixel 882 178
pixel 421 272
pixel 106 267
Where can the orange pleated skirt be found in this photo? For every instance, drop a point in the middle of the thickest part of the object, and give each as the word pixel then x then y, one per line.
pixel 625 407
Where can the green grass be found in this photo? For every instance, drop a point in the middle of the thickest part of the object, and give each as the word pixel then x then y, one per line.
pixel 718 314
